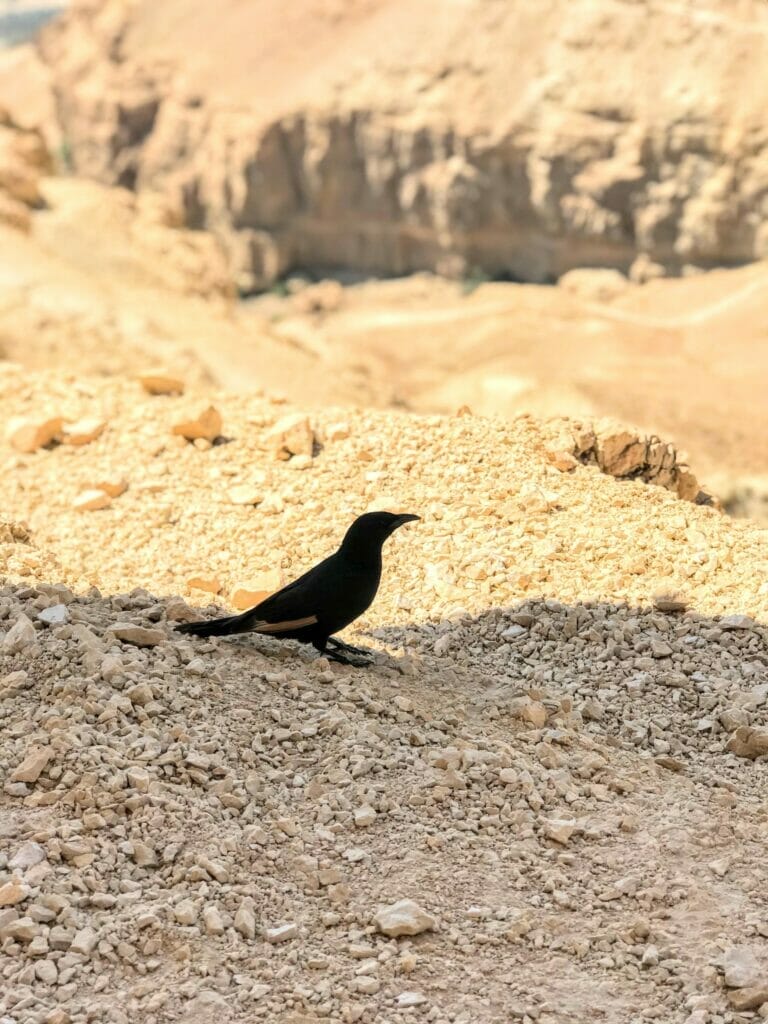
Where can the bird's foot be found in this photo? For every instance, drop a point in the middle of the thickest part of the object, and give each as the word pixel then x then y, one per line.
pixel 340 645
pixel 348 659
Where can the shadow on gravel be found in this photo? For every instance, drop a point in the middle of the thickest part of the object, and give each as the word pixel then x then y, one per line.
pixel 669 684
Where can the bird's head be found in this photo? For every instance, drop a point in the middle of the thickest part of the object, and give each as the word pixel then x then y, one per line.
pixel 369 531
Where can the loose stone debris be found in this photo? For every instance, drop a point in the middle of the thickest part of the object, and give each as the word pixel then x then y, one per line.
pixel 547 795
pixel 206 426
pixel 157 382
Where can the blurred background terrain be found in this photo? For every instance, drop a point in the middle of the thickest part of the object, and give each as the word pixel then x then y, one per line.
pixel 242 245
pixel 369 202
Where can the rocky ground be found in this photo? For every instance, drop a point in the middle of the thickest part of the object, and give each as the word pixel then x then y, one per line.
pixel 558 756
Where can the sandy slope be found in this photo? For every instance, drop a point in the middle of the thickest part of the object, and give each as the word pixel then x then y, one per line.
pixel 538 757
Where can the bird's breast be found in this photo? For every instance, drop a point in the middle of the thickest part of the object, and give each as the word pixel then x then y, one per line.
pixel 355 589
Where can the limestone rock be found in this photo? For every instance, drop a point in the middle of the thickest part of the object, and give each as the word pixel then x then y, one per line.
pixel 212 921
pixel 114 487
pixel 45 971
pixel 83 431
pixel 245 920
pixel 33 765
pixel 282 933
pixel 141 636
pixel 56 615
pixel 740 967
pixel 157 382
pixel 291 435
pixel 57 1016
pixel 245 494
pixel 27 856
pixel 560 830
pixel 748 742
pixel 562 460
pixel 247 595
pixel 208 584
pixel 206 426
pixel 244 598
pixel 84 941
pixel 403 918
pixel 20 636
pixel 144 855
pixel 531 711
pixel 364 816
pixel 669 600
pixel 13 892
pixel 27 435
pixel 92 500
pixel 743 999
pixel 734 622
pixel 185 912
pixel 140 694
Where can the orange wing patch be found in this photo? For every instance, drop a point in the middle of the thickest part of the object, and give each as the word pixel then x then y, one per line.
pixel 284 627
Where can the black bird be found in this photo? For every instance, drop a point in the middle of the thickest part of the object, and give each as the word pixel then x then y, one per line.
pixel 323 600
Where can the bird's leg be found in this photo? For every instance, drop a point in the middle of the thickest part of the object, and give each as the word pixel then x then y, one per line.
pixel 348 659
pixel 340 645
pixel 337 655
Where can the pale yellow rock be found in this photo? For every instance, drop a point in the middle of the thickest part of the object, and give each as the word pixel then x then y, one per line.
pixel 246 595
pixel 158 382
pixel 562 461
pixel 58 1016
pixel 748 742
pixel 27 435
pixel 245 494
pixel 667 599
pixel 114 487
pixel 209 584
pixel 403 918
pixel 245 919
pixel 205 427
pixel 141 636
pixel 559 830
pixel 282 933
pixel 291 435
pixel 533 712
pixel 13 892
pixel 386 503
pixel 33 765
pixel 743 999
pixel 92 500
pixel 144 855
pixel 337 432
pixel 243 598
pixel 140 694
pixel 83 431
pixel 364 816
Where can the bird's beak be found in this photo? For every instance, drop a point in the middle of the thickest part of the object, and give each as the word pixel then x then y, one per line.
pixel 406 517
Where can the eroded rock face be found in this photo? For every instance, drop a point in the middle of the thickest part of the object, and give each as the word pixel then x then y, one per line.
pixel 630 454
pixel 23 159
pixel 499 137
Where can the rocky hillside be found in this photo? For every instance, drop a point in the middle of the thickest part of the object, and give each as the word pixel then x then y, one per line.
pixel 557 760
pixel 24 159
pixel 387 136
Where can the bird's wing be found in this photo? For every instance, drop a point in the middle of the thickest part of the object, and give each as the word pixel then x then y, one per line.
pixel 295 606
pixel 285 626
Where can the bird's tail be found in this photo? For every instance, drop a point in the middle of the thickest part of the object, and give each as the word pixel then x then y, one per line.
pixel 216 627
